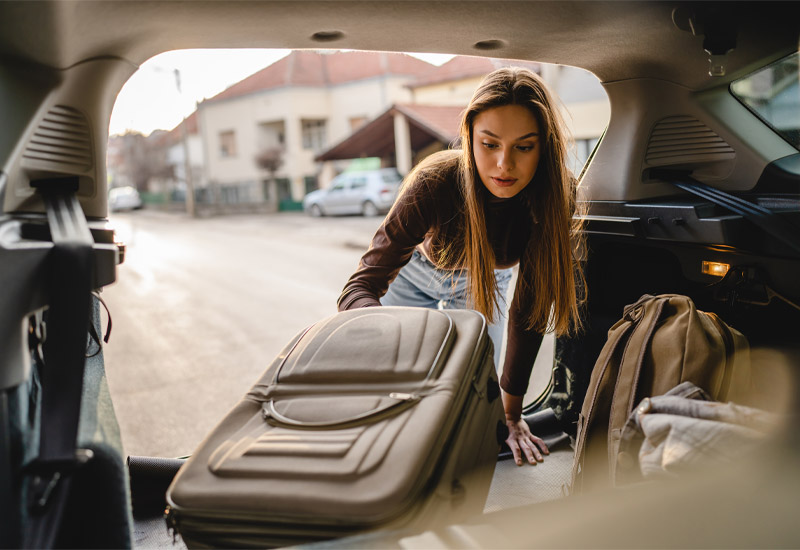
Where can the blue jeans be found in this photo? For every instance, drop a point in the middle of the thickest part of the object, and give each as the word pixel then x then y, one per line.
pixel 422 284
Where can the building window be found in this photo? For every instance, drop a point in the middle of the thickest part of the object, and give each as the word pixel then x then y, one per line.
pixel 270 134
pixel 227 144
pixel 313 134
pixel 357 122
pixel 311 182
pixel 283 187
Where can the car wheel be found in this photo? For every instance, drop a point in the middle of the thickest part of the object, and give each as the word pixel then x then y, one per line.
pixel 316 211
pixel 368 209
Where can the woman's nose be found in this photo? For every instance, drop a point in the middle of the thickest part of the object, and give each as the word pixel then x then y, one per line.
pixel 505 160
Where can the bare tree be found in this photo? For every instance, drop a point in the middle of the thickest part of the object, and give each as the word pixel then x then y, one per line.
pixel 270 159
pixel 141 158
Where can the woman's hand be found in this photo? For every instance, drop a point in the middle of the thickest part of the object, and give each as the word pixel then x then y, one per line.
pixel 520 439
pixel 522 442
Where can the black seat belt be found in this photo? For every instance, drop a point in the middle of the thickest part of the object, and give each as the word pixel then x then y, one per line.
pixel 780 228
pixel 69 283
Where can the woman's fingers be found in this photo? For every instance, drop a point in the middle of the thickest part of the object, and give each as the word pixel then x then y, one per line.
pixel 523 447
pixel 539 442
pixel 524 444
pixel 514 446
pixel 532 453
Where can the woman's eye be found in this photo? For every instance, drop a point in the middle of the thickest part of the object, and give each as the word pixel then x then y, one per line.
pixel 525 148
pixel 489 145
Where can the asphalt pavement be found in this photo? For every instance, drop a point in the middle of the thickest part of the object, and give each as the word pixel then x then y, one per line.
pixel 202 306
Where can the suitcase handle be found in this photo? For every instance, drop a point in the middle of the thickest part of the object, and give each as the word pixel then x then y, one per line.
pixel 405 401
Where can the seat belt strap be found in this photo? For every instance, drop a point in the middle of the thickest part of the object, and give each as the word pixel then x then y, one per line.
pixel 70 270
pixel 9 508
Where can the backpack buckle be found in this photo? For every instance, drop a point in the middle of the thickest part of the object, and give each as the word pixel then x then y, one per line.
pixel 47 475
pixel 633 312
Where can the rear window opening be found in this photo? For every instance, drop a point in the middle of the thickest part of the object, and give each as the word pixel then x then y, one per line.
pixel 247 151
pixel 773 94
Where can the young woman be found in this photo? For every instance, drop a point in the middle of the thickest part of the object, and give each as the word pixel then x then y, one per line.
pixel 463 218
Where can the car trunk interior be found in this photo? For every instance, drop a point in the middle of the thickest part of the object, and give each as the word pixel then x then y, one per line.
pixel 643 235
pixel 620 269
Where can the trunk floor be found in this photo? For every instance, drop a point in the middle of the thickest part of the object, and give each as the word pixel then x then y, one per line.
pixel 152 533
pixel 512 486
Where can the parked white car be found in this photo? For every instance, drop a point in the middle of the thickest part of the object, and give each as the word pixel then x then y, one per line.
pixel 368 193
pixel 124 198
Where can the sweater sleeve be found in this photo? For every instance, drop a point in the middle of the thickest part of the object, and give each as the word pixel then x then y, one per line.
pixel 391 248
pixel 522 346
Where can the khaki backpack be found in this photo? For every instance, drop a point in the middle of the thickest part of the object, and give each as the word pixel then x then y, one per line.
pixel 660 342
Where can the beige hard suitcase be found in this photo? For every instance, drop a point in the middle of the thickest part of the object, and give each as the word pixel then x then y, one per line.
pixel 375 418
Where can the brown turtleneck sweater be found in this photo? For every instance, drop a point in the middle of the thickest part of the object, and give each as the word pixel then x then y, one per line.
pixel 428 216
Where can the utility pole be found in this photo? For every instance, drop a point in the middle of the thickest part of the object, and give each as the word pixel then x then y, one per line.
pixel 190 209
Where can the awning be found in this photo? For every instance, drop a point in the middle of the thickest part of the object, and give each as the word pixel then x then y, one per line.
pixel 426 124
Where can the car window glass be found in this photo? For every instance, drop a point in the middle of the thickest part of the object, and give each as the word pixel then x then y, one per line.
pixel 391 177
pixel 773 93
pixel 359 183
pixel 338 186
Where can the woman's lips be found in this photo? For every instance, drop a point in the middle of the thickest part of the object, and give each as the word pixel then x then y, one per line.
pixel 504 182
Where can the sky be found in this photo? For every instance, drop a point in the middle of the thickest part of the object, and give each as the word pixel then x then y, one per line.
pixel 150 100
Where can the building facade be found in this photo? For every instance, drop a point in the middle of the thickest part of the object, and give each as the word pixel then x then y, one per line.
pixel 584 103
pixel 261 135
pixel 430 122
pixel 291 127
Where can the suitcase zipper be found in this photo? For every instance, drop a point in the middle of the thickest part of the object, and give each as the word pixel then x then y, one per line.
pixel 405 400
pixel 171 519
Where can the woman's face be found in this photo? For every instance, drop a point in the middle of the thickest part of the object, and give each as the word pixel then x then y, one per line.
pixel 506 146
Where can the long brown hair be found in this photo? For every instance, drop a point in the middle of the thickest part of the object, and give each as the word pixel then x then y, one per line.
pixel 551 278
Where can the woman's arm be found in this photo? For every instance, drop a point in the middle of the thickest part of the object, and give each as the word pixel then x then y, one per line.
pixel 391 248
pixel 520 439
pixel 522 346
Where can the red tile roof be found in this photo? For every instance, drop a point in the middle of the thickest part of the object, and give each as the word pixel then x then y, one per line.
pixel 440 120
pixel 310 68
pixel 191 123
pixel 463 66
pixel 167 139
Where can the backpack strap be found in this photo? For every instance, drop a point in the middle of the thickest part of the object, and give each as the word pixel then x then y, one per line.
pixel 69 286
pixel 616 336
pixel 645 315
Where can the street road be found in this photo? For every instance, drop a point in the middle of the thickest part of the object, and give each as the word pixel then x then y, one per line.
pixel 202 306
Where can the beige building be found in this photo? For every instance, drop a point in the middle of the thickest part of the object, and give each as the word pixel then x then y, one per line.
pixel 405 133
pixel 181 141
pixel 291 127
pixel 585 104
pixel 290 112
